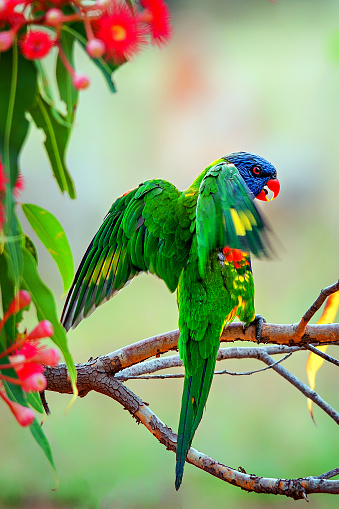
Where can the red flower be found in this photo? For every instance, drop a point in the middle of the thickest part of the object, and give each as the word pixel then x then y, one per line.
pixel 3 179
pixel 157 17
pixel 121 32
pixel 36 45
pixel 8 14
pixel 19 185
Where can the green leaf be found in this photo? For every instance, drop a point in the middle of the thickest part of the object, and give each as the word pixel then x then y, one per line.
pixel 17 92
pixel 41 439
pixel 53 236
pixel 47 94
pixel 29 245
pixel 107 68
pixel 67 92
pixel 15 393
pixel 56 141
pixel 7 294
pixel 44 303
pixel 34 400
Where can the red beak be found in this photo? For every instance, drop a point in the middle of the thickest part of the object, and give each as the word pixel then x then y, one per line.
pixel 274 186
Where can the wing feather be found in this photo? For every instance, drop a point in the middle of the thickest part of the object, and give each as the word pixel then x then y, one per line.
pixel 139 233
pixel 227 215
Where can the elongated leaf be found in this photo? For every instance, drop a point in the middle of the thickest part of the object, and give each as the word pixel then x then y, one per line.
pixel 56 141
pixel 34 400
pixel 48 96
pixel 15 393
pixel 44 303
pixel 314 362
pixel 67 92
pixel 41 439
pixel 107 68
pixel 7 294
pixel 17 92
pixel 53 236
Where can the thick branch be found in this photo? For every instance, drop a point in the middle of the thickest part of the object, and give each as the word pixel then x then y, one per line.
pixel 278 334
pixel 92 376
pixel 98 375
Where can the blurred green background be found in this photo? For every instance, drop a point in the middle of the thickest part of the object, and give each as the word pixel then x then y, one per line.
pixel 237 75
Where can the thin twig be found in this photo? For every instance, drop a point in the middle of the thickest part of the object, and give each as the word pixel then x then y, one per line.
pixel 121 376
pixel 302 387
pixel 324 355
pixel 329 474
pixel 325 292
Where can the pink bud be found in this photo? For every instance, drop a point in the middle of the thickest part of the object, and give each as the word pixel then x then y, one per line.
pixel 17 361
pixel 21 300
pixel 6 40
pixel 53 17
pixel 44 329
pixel 25 416
pixel 36 382
pixel 95 48
pixel 80 81
pixel 50 357
pixel 103 4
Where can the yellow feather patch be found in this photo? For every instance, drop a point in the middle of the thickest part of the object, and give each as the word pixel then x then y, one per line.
pixel 245 220
pixel 251 217
pixel 238 224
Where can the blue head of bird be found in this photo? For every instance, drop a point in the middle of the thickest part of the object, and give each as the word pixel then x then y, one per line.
pixel 257 173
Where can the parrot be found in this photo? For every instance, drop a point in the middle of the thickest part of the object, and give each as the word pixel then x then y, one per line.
pixel 199 242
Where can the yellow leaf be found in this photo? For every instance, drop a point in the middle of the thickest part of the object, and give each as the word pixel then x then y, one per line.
pixel 314 362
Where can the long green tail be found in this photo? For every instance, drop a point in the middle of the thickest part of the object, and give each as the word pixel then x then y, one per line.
pixel 195 393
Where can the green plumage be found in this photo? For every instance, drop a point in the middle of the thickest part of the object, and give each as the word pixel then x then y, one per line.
pixel 180 236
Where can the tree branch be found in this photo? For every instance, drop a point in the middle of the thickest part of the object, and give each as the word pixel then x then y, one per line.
pixel 100 375
pixel 325 292
pixel 93 376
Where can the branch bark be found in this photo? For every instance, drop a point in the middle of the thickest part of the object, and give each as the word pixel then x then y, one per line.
pixel 100 375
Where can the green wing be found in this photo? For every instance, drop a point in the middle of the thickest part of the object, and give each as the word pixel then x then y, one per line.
pixel 141 232
pixel 227 215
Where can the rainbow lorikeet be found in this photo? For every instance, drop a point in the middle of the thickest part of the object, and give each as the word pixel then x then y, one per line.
pixel 199 242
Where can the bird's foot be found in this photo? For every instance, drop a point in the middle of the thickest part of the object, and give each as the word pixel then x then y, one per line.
pixel 258 322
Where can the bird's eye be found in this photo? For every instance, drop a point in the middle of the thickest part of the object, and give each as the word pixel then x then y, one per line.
pixel 256 170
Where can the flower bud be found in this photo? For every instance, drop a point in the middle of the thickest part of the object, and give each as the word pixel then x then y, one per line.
pixel 95 48
pixel 25 416
pixel 44 329
pixel 53 17
pixel 21 300
pixel 103 4
pixel 50 357
pixel 17 361
pixel 80 81
pixel 36 382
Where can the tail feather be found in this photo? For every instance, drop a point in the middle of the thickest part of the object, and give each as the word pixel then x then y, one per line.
pixel 195 393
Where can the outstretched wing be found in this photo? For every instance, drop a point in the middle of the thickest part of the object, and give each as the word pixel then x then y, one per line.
pixel 227 215
pixel 139 233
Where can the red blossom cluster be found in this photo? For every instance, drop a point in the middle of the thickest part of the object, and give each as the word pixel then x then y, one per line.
pixel 27 357
pixel 19 185
pixel 114 29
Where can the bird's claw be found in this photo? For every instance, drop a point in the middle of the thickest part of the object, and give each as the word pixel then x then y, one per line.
pixel 258 322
